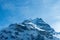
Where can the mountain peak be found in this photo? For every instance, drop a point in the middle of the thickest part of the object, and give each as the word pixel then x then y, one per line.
pixel 38 20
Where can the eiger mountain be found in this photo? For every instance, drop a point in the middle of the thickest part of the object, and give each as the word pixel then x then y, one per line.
pixel 34 29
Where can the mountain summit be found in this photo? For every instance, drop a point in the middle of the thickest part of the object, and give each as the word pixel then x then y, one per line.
pixel 34 29
pixel 38 20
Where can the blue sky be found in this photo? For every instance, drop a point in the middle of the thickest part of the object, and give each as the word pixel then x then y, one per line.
pixel 15 11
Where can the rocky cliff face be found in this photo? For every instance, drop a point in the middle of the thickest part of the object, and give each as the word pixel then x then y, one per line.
pixel 35 29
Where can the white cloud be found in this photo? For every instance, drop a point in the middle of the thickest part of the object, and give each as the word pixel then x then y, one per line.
pixel 56 26
pixel 57 17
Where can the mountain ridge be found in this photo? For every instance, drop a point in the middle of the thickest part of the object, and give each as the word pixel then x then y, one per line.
pixel 35 29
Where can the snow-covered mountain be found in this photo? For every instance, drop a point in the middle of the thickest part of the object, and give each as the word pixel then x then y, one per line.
pixel 40 24
pixel 35 29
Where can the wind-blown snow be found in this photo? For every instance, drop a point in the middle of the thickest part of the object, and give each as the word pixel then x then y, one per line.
pixel 35 26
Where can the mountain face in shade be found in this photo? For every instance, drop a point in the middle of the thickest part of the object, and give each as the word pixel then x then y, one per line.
pixel 35 29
